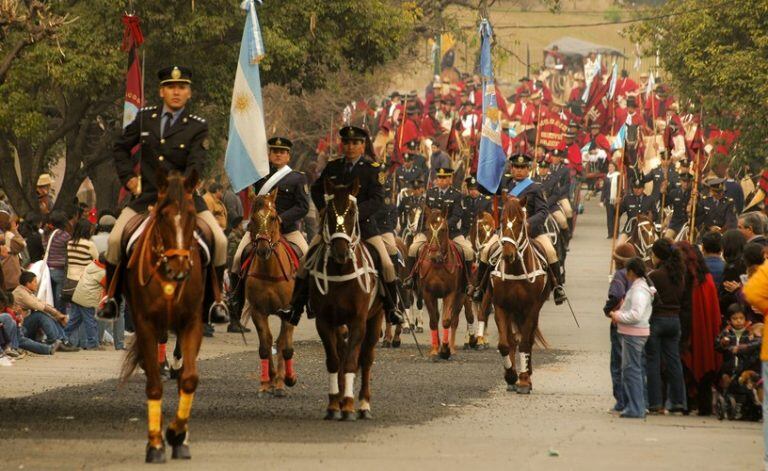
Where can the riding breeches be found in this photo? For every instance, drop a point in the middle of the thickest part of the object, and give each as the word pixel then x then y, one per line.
pixel 387 267
pixel 549 249
pixel 488 247
pixel 670 233
pixel 461 242
pixel 295 237
pixel 565 206
pixel 560 219
pixel 390 243
pixel 114 240
pixel 622 239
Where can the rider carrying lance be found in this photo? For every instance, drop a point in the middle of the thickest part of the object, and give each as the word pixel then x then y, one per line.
pixel 679 199
pixel 635 204
pixel 291 203
pixel 172 138
pixel 358 165
pixel 717 211
pixel 444 197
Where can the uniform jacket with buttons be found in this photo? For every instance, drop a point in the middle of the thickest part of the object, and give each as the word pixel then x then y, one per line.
pixel 535 207
pixel 370 198
pixel 449 201
pixel 635 205
pixel 182 148
pixel 657 177
pixel 713 212
pixel 561 186
pixel 678 199
pixel 471 208
pixel 292 201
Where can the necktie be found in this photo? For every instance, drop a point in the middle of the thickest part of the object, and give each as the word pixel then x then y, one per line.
pixel 168 121
pixel 348 168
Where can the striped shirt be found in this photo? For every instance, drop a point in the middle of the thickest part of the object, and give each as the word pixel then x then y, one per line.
pixel 57 253
pixel 79 256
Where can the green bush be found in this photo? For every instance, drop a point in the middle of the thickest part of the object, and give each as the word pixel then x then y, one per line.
pixel 612 14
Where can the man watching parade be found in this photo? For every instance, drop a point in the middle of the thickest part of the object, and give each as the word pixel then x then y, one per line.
pixel 173 139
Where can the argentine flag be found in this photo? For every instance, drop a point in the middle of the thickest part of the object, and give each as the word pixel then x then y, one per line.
pixel 621 136
pixel 246 159
pixel 492 160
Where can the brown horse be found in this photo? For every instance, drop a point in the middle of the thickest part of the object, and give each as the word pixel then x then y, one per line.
pixel 642 236
pixel 268 289
pixel 343 296
pixel 441 276
pixel 520 286
pixel 480 235
pixel 164 283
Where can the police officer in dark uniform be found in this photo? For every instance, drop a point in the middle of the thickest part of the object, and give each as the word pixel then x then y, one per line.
pixel 473 204
pixel 679 198
pixel 355 165
pixel 409 171
pixel 414 199
pixel 176 140
pixel 665 172
pixel 717 210
pixel 521 186
pixel 291 202
pixel 635 204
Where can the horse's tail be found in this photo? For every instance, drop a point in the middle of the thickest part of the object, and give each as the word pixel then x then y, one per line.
pixel 130 362
pixel 540 338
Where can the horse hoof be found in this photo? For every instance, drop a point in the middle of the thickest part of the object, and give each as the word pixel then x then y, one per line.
pixel 396 343
pixel 386 344
pixel 279 392
pixel 364 415
pixel 473 342
pixel 511 387
pixel 348 416
pixel 181 452
pixel 523 389
pixel 290 381
pixel 332 415
pixel 155 455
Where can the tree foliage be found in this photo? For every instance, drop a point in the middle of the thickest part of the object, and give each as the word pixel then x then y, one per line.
pixel 714 55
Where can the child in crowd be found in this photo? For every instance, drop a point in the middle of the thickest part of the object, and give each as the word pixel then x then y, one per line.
pixel 741 352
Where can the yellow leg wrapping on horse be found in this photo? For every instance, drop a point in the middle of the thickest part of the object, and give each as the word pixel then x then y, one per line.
pixel 185 405
pixel 154 415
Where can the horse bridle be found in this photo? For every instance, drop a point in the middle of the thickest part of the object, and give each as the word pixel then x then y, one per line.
pixel 644 233
pixel 339 219
pixel 164 255
pixel 520 243
pixel 262 228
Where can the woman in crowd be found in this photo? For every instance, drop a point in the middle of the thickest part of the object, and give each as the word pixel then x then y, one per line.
pixel 56 255
pixel 632 322
pixel 733 247
pixel 703 324
pixel 15 243
pixel 81 252
pixel 668 277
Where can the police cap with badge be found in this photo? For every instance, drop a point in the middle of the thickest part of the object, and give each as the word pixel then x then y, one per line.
pixel 280 143
pixel 471 182
pixel 521 160
pixel 353 133
pixel 444 172
pixel 716 184
pixel 174 74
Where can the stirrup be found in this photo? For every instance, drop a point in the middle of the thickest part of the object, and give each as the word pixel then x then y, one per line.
pixel 220 311
pixel 559 294
pixel 109 311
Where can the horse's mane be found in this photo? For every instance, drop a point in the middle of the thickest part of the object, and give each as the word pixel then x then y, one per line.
pixel 174 192
pixel 508 207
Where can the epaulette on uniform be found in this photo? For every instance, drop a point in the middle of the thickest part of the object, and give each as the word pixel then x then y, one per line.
pixel 197 118
pixel 149 108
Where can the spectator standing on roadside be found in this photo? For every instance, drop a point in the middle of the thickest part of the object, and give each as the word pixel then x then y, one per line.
pixel 56 255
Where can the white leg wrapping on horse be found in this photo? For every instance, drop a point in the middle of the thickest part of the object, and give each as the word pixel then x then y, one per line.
pixel 471 328
pixel 549 249
pixel 364 405
pixel 480 328
pixel 465 246
pixel 507 362
pixel 112 255
pixel 333 383
pixel 523 360
pixel 237 259
pixel 418 241
pixel 219 239
pixel 297 239
pixel 559 217
pixel 349 385
pixel 386 263
pixel 176 363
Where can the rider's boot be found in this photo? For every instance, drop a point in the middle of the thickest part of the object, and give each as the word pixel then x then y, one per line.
pixel 394 316
pixel 218 312
pixel 237 302
pixel 299 300
pixel 110 309
pixel 482 270
pixel 558 292
pixel 410 282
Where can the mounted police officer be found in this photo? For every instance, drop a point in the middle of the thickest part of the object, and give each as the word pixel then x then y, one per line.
pixel 444 197
pixel 358 165
pixel 679 199
pixel 291 203
pixel 633 205
pixel 556 191
pixel 410 170
pixel 664 177
pixel 521 187
pixel 173 138
pixel 716 211
pixel 412 198
pixel 472 205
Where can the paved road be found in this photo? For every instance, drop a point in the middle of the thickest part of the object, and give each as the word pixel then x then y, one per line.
pixel 66 413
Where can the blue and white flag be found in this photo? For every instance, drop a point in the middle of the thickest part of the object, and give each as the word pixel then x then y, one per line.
pixel 612 86
pixel 621 136
pixel 492 159
pixel 246 159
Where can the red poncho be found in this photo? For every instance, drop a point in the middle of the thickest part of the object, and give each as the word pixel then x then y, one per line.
pixel 705 325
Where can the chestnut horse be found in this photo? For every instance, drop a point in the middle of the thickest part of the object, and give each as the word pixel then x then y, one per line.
pixel 343 296
pixel 441 276
pixel 268 289
pixel 480 235
pixel 642 236
pixel 520 286
pixel 164 283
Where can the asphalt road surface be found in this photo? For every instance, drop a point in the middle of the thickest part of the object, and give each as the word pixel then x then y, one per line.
pixel 66 411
